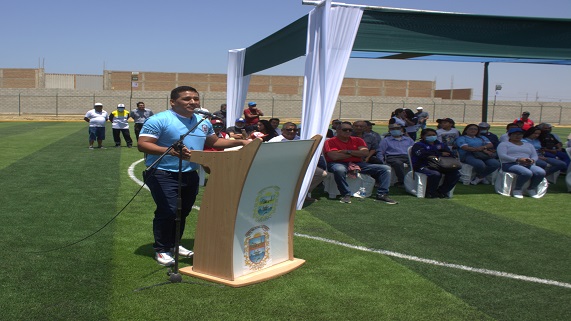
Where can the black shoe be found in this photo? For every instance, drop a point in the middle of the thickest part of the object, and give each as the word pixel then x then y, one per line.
pixel 385 198
pixel 399 184
pixel 430 195
pixel 442 195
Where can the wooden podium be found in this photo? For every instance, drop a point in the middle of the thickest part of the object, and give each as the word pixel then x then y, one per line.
pixel 244 233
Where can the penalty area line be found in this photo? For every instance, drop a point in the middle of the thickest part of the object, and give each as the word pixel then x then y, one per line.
pixel 438 263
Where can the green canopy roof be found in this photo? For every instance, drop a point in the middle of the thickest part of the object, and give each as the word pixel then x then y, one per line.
pixel 425 35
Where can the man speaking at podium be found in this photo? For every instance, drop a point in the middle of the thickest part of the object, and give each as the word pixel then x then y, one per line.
pixel 159 133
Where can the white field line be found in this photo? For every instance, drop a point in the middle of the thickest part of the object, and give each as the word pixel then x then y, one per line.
pixel 404 256
pixel 131 172
pixel 434 262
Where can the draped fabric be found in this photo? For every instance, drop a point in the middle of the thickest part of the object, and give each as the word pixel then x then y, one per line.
pixel 331 34
pixel 237 85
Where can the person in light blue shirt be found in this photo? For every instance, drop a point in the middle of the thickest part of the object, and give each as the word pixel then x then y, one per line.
pixel 477 151
pixel 531 136
pixel 159 133
pixel 394 150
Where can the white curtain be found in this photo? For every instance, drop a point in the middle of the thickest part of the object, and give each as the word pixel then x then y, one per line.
pixel 330 38
pixel 237 85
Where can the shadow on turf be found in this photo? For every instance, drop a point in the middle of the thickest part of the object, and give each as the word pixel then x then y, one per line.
pixel 148 251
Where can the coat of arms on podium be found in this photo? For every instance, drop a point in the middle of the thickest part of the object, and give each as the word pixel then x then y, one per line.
pixel 257 247
pixel 266 203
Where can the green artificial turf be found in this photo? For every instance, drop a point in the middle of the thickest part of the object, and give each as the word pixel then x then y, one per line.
pixel 55 191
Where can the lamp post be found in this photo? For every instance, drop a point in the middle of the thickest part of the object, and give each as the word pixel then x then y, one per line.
pixel 134 83
pixel 498 88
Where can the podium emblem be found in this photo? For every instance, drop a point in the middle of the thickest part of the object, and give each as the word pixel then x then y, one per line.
pixel 266 203
pixel 257 247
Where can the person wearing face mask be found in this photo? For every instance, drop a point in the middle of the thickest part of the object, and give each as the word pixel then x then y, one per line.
pixel 119 119
pixel 485 132
pixel 429 146
pixel 394 150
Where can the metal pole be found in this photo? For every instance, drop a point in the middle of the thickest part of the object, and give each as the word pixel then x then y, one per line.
pixel 57 105
pixel 19 104
pixel 485 94
pixel 464 115
pixel 372 107
pixel 560 113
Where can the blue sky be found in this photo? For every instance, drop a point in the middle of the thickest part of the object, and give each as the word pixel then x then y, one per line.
pixel 83 37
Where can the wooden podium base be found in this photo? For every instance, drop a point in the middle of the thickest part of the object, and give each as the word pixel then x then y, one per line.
pixel 252 278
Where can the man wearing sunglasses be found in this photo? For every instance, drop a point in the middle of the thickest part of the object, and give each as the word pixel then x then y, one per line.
pixel 343 151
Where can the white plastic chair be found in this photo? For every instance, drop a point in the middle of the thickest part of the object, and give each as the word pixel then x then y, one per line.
pixel 415 183
pixel 505 181
pixel 362 180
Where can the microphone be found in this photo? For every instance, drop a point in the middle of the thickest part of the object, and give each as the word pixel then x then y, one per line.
pixel 202 112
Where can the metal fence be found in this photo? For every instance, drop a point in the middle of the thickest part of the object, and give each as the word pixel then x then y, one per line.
pixel 379 109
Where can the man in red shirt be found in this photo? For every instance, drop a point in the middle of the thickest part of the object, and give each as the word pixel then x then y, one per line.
pixel 252 114
pixel 343 149
pixel 527 123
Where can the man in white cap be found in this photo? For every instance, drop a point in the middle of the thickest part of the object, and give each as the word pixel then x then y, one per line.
pixel 422 117
pixel 96 118
pixel 120 125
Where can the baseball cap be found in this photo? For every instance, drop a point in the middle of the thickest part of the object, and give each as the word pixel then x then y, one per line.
pixel 121 106
pixel 98 104
pixel 525 113
pixel 419 108
pixel 240 120
pixel 484 125
pixel 252 103
pixel 216 121
pixel 515 130
pixel 369 123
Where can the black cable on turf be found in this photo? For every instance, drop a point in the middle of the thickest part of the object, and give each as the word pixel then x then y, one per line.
pixel 97 231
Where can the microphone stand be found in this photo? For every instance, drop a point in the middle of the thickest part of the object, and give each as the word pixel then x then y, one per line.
pixel 174 276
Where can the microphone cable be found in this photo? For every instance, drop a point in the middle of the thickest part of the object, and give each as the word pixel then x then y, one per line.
pixel 98 230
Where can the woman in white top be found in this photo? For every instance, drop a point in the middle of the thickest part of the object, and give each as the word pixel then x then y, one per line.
pixel 519 157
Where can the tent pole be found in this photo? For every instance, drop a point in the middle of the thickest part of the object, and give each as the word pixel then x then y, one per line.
pixel 485 94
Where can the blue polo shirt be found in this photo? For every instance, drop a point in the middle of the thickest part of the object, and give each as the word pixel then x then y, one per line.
pixel 166 127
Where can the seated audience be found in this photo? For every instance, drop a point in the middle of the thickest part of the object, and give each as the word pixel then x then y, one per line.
pixel 505 137
pixel 447 133
pixel 394 150
pixel 429 147
pixel 344 151
pixel 412 125
pixel 485 132
pixel 218 126
pixel 333 130
pixel 369 131
pixel 239 130
pixel 519 157
pixel 289 133
pixel 275 122
pixel 478 152
pixel 359 128
pixel 552 145
pixel 265 131
pixel 531 136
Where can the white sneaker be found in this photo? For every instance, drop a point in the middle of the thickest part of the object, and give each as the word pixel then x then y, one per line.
pixel 184 252
pixel 476 181
pixel 533 193
pixel 518 194
pixel 164 258
pixel 485 181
